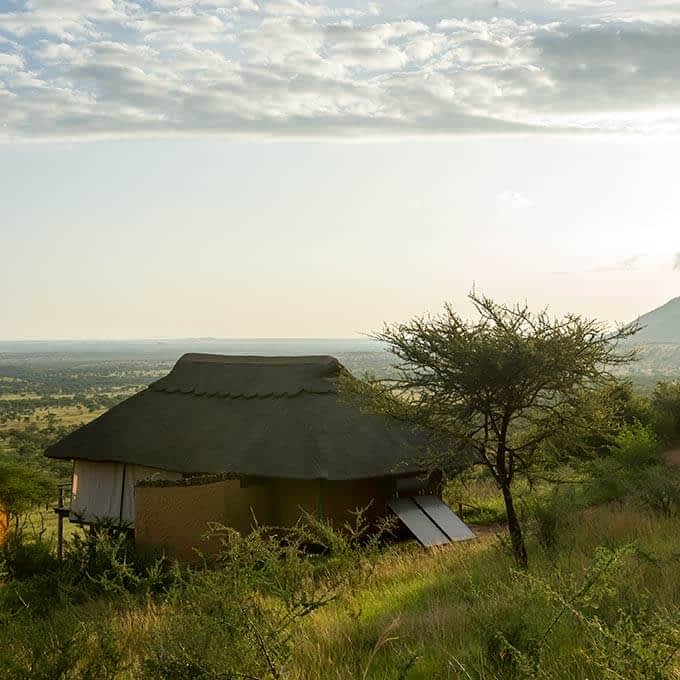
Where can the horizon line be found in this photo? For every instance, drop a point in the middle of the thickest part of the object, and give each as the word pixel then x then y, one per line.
pixel 185 338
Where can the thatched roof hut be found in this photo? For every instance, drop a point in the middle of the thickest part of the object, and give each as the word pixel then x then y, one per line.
pixel 273 429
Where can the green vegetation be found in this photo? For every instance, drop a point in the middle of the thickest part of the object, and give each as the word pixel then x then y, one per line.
pixel 43 399
pixel 499 391
pixel 601 600
pixel 22 488
pixel 600 597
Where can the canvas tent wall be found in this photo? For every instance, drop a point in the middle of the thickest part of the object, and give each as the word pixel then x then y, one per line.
pixel 103 491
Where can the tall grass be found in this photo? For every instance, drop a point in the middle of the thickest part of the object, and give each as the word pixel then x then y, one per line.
pixel 463 612
pixel 457 612
pixel 601 600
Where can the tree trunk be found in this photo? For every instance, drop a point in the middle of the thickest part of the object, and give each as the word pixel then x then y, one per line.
pixel 519 550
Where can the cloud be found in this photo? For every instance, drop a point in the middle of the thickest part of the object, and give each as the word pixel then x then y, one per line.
pixel 676 262
pixel 628 264
pixel 583 4
pixel 81 69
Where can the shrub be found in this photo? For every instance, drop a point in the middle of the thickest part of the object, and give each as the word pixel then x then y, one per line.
pixel 99 563
pixel 551 514
pixel 239 618
pixel 22 488
pixel 520 632
pixel 22 557
pixel 509 623
pixel 665 407
pixel 659 490
pixel 631 470
pixel 236 619
pixel 636 447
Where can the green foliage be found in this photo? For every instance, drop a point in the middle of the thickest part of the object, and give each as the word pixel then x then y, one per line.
pixel 665 407
pixel 22 557
pixel 636 447
pixel 627 404
pixel 499 390
pixel 269 597
pixel 475 490
pixel 634 470
pixel 522 620
pixel 551 514
pixel 616 645
pixel 26 446
pixel 23 487
pixel 239 619
pixel 103 563
pixel 659 490
pixel 236 619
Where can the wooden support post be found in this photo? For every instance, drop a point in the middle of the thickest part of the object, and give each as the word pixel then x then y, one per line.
pixel 460 510
pixel 60 524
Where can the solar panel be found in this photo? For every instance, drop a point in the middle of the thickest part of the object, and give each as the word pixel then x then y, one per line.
pixel 444 518
pixel 417 522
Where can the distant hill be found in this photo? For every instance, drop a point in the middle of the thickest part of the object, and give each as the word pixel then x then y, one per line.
pixel 659 345
pixel 661 325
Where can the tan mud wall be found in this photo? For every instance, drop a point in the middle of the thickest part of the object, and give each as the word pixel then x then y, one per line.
pixel 290 497
pixel 175 517
pixel 341 499
pixel 334 501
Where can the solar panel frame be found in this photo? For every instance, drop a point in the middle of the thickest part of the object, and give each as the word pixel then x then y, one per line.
pixel 426 531
pixel 445 519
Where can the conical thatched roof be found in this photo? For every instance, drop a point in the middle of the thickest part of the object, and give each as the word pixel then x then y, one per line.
pixel 255 416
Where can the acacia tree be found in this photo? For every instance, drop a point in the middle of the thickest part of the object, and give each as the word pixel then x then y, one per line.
pixel 22 489
pixel 496 391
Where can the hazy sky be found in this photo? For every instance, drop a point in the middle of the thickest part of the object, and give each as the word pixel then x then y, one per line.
pixel 287 168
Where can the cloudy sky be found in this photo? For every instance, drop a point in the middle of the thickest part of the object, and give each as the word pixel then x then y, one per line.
pixel 291 168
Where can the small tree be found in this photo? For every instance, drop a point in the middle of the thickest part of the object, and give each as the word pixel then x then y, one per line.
pixel 495 391
pixel 22 489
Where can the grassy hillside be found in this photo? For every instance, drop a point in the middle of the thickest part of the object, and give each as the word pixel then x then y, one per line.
pixel 601 597
pixel 602 601
pixel 458 612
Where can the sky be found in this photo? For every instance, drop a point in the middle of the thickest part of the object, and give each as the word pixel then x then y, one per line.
pixel 242 168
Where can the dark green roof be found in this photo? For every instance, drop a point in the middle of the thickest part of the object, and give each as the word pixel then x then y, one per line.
pixel 256 416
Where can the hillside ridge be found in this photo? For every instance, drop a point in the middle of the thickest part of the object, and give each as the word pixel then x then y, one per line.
pixel 660 325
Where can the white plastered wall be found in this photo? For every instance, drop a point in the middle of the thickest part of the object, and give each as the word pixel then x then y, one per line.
pixel 105 491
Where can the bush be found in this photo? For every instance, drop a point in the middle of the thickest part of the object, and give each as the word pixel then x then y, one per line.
pixel 551 514
pixel 509 622
pixel 665 407
pixel 636 447
pixel 108 560
pixel 524 621
pixel 236 619
pixel 632 463
pixel 239 619
pixel 99 563
pixel 22 557
pixel 659 490
pixel 22 488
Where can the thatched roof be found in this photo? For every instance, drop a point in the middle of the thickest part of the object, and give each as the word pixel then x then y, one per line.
pixel 254 416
